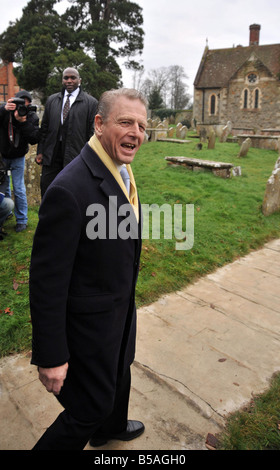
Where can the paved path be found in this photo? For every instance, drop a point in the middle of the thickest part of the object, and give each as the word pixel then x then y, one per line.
pixel 201 354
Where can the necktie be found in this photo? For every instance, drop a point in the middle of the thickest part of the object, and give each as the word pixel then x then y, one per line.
pixel 66 107
pixel 126 179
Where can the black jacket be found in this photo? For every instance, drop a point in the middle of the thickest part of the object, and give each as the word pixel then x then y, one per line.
pixel 79 128
pixel 4 183
pixel 23 134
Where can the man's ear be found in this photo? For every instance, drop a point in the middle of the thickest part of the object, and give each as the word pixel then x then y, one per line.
pixel 98 125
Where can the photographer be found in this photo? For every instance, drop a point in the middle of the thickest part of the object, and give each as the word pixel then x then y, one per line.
pixel 19 126
pixel 6 204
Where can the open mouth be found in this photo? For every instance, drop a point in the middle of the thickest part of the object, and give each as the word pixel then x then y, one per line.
pixel 129 146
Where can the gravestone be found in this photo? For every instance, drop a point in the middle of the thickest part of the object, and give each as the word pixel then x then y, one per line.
pixel 182 133
pixel 246 144
pixel 271 201
pixel 170 132
pixel 229 126
pixel 178 129
pixel 162 134
pixel 203 135
pixel 32 176
pixel 211 139
pixel 225 134
pixel 219 130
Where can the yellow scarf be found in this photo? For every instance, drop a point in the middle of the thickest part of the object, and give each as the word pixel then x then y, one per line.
pixel 95 144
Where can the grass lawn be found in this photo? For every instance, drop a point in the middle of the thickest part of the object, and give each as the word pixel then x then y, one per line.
pixel 228 221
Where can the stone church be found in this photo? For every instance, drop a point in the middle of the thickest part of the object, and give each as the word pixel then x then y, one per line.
pixel 241 85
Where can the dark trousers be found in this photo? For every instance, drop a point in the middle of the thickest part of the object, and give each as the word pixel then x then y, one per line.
pixel 51 171
pixel 67 433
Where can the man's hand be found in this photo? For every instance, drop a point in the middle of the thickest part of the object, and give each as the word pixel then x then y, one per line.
pixel 39 159
pixel 10 106
pixel 53 377
pixel 20 118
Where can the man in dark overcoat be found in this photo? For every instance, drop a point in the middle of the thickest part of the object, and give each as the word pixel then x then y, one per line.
pixel 67 124
pixel 84 268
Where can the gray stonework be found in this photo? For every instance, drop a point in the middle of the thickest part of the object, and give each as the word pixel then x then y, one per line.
pixel 271 201
pixel 32 177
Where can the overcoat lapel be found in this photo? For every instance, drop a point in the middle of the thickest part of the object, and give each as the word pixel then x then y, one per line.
pixel 110 186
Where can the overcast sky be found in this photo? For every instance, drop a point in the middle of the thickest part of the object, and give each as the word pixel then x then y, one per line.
pixel 176 30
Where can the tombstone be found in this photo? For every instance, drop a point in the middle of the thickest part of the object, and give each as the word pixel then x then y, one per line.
pixel 229 126
pixel 246 144
pixel 170 132
pixel 162 134
pixel 32 176
pixel 211 140
pixel 165 123
pixel 155 122
pixel 219 130
pixel 225 133
pixel 149 122
pixel 183 132
pixel 236 171
pixel 271 201
pixel 178 130
pixel 203 135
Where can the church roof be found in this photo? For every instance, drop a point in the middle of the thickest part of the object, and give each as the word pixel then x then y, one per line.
pixel 218 66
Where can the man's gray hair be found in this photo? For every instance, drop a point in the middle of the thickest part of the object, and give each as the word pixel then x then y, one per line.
pixel 108 98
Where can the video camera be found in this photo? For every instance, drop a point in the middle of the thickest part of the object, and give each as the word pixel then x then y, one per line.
pixel 21 107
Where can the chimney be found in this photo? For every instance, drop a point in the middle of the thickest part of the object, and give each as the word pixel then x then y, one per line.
pixel 254 34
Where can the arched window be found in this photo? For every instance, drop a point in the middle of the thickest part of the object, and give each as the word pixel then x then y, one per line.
pixel 256 98
pixel 245 99
pixel 213 99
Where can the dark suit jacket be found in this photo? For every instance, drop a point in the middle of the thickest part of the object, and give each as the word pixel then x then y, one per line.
pixel 82 291
pixel 79 129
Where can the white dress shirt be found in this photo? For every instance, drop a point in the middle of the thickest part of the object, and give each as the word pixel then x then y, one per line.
pixel 72 98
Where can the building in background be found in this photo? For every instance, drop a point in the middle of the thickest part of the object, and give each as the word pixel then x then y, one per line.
pixel 8 82
pixel 241 85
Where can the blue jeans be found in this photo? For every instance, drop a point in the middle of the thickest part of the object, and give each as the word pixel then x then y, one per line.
pixel 6 207
pixel 16 165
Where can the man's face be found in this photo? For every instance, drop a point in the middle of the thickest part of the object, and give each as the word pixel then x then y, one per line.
pixel 70 79
pixel 123 132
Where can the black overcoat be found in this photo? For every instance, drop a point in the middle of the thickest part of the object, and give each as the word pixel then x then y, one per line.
pixel 82 290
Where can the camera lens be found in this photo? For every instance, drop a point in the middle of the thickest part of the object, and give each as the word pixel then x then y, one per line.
pixel 22 110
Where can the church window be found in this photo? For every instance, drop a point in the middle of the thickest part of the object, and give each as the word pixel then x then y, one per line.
pixel 245 98
pixel 256 98
pixel 252 78
pixel 213 104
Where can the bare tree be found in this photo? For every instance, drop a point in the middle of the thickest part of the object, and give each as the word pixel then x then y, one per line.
pixel 179 97
pixel 168 83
